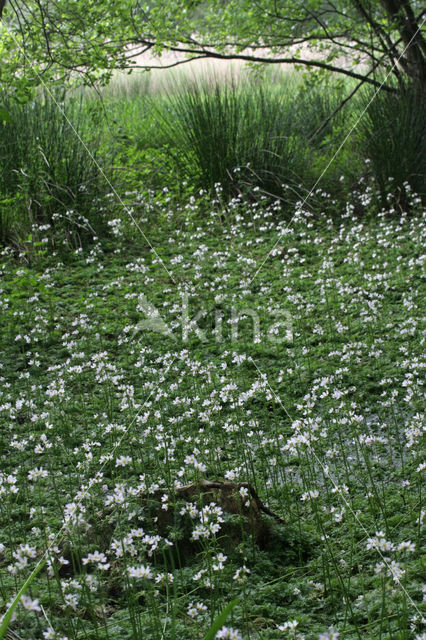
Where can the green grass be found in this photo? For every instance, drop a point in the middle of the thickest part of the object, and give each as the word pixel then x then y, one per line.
pixel 244 134
pixel 63 159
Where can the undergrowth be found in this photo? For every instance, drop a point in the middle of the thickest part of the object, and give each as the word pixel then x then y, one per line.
pixel 134 377
pixel 211 402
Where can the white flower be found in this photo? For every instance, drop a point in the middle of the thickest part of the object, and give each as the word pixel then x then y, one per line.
pixel 406 546
pixel 29 604
pixel 329 635
pixel 290 625
pixel 241 574
pixel 310 495
pixel 33 474
pixel 141 571
pixel 199 575
pixel 99 558
pixel 243 492
pixel 220 559
pixel 379 543
pixel 395 571
pixel 196 609
pixel 229 632
pixel 71 599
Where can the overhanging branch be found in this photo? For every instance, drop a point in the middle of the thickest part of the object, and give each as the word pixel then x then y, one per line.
pixel 203 53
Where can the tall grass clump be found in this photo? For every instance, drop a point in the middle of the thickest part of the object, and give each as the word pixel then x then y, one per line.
pixel 234 135
pixel 249 134
pixel 47 176
pixel 392 136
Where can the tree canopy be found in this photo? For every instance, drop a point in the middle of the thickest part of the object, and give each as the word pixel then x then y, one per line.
pixel 377 42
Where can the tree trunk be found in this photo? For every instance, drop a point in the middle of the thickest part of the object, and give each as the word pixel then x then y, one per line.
pixel 402 15
pixel 2 5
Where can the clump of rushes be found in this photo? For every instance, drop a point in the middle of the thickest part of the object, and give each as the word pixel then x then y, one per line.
pixel 392 137
pixel 50 174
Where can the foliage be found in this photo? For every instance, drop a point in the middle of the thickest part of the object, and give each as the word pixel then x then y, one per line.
pixel 201 133
pixel 195 134
pixel 210 135
pixel 46 41
pixel 299 376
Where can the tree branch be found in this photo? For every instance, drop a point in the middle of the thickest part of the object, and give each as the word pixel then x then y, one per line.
pixel 383 37
pixel 342 104
pixel 203 53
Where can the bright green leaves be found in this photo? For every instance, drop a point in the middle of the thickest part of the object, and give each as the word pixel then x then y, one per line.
pixel 86 39
pixel 4 115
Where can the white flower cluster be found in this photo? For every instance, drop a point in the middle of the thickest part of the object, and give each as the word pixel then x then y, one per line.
pixel 99 559
pixel 380 543
pixel 391 568
pixel 196 609
pixel 229 633
pixel 241 574
pixel 36 473
pixel 71 590
pixel 74 514
pixel 131 543
pixel 140 571
pixel 8 484
pixel 21 555
pixel 210 517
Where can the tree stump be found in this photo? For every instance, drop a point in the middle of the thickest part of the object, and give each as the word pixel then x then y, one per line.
pixel 238 499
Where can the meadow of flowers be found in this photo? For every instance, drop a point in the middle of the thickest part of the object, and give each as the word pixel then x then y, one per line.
pixel 112 419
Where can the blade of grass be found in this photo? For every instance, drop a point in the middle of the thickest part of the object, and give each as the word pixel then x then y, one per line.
pixel 220 620
pixel 9 613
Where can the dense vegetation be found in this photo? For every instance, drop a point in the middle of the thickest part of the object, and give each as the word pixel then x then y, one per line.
pixel 213 283
pixel 60 158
